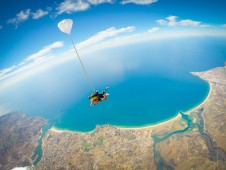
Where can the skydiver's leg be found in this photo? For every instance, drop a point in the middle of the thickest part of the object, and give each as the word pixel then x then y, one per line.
pixel 91 103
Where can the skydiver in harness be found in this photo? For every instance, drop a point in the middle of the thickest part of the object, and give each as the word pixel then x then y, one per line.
pixel 96 97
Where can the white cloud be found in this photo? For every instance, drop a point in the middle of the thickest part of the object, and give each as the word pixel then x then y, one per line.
pixel 139 2
pixel 96 2
pixel 44 51
pixel 6 71
pixel 31 61
pixel 20 17
pixel 161 22
pixel 25 15
pixel 153 29
pixel 20 168
pixel 100 36
pixel 172 21
pixel 39 13
pixel 70 6
pixel 189 22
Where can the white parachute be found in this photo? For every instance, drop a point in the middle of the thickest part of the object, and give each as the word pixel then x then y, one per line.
pixel 65 26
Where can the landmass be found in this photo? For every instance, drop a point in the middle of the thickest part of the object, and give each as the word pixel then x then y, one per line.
pixel 203 145
pixel 215 108
pixel 191 140
pixel 19 136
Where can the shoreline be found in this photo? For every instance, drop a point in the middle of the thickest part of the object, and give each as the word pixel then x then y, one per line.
pixel 57 130
pixel 203 102
pixel 151 126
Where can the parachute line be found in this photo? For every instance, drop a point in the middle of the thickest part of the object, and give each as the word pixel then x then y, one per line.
pixel 65 26
pixel 83 67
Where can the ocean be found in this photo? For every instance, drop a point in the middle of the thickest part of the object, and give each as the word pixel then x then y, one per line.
pixel 155 90
pixel 149 83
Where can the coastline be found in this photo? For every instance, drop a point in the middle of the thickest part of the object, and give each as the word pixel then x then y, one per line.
pixel 151 126
pixel 57 130
pixel 204 101
pixel 54 129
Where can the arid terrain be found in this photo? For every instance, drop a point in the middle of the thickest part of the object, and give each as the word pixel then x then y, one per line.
pixel 19 136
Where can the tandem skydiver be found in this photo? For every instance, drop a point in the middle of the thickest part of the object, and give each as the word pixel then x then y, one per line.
pixel 95 97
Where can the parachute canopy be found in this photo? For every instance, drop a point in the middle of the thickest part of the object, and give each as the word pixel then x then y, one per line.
pixel 65 26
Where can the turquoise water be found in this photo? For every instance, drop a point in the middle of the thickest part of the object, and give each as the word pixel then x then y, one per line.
pixel 161 164
pixel 149 83
pixel 36 157
pixel 137 101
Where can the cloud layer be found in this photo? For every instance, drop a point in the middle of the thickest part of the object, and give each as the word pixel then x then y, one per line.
pixel 39 13
pixel 31 61
pixel 139 2
pixel 20 17
pixel 153 29
pixel 172 21
pixel 26 14
pixel 96 2
pixel 100 36
pixel 71 6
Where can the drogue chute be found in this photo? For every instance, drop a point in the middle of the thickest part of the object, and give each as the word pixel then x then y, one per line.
pixel 65 26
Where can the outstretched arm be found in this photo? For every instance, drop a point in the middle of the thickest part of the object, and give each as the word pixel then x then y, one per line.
pixel 104 91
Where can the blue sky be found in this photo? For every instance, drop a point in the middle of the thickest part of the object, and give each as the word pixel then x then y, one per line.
pixel 29 33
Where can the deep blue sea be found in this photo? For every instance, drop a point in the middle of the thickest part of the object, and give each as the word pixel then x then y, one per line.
pixel 148 83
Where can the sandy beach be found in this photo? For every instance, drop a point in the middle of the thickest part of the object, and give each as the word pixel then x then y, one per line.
pixel 204 101
pixel 55 129
pixel 178 116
